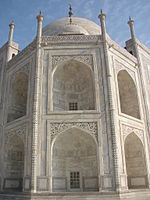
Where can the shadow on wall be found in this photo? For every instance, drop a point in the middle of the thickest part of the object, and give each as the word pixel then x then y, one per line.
pixel 18 97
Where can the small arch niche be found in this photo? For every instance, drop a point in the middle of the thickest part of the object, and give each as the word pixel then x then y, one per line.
pixel 135 162
pixel 73 87
pixel 18 97
pixel 14 158
pixel 128 95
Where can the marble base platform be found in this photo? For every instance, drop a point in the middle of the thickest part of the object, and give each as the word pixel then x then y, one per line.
pixel 131 195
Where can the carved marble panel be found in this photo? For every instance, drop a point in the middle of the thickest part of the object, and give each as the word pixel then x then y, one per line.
pixel 19 131
pixel 129 129
pixel 120 67
pixel 70 38
pixel 57 128
pixel 87 59
pixel 27 183
pixel 42 183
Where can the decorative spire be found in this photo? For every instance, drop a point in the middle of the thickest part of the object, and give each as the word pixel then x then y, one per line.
pixel 102 18
pixel 102 15
pixel 11 31
pixel 39 27
pixel 130 20
pixel 70 14
pixel 40 16
pixel 12 23
pixel 131 25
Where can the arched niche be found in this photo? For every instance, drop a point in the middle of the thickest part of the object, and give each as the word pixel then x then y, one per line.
pixel 14 170
pixel 128 95
pixel 18 97
pixel 73 87
pixel 135 162
pixel 74 162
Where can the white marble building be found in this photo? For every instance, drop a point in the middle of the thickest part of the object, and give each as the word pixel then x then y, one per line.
pixel 74 114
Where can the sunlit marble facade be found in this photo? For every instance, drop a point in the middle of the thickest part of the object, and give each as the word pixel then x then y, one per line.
pixel 74 114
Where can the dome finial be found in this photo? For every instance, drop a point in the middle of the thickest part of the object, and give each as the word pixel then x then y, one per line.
pixel 70 13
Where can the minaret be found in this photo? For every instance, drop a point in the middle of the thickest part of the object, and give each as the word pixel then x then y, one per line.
pixel 133 37
pixel 111 104
pixel 39 27
pixel 142 76
pixel 131 25
pixel 102 18
pixel 12 48
pixel 11 32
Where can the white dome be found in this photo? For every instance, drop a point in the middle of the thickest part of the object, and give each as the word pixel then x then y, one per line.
pixel 78 26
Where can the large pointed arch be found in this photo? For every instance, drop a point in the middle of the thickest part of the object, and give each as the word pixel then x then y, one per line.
pixel 128 95
pixel 74 151
pixel 73 87
pixel 14 162
pixel 135 162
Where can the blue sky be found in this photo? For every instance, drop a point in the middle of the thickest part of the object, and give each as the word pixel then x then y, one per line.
pixel 24 13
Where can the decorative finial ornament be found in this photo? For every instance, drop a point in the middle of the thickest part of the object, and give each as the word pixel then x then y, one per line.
pixel 11 31
pixel 12 24
pixel 102 15
pixel 131 21
pixel 70 14
pixel 40 16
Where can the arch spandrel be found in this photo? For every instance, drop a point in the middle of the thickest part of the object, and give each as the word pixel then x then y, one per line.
pixel 60 59
pixel 55 129
pixel 127 130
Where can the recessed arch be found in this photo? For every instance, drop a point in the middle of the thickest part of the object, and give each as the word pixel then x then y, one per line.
pixel 74 151
pixel 128 95
pixel 18 97
pixel 135 162
pixel 73 87
pixel 14 162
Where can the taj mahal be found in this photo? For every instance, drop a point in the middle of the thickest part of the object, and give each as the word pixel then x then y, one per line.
pixel 74 114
